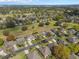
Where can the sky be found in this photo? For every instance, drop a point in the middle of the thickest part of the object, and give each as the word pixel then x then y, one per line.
pixel 38 2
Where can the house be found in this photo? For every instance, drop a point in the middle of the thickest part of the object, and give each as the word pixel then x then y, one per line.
pixel 52 45
pixel 44 41
pixel 63 31
pixel 77 34
pixel 71 31
pixel 54 30
pixel 58 23
pixel 52 33
pixel 73 40
pixel 26 51
pixel 15 47
pixel 20 41
pixel 45 51
pixel 2 53
pixel 73 56
pixel 47 34
pixel 20 38
pixel 76 21
pixel 77 53
pixel 36 34
pixel 58 31
pixel 59 34
pixel 31 37
pixel 62 42
pixel 43 33
pixel 8 44
pixel 33 55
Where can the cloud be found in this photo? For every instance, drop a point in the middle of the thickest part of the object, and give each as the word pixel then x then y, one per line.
pixel 8 0
pixel 23 1
pixel 27 0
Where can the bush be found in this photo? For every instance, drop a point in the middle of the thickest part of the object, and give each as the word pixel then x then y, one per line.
pixel 1 42
pixel 41 24
pixel 24 28
pixel 58 17
pixel 74 47
pixel 10 24
pixel 6 33
pixel 61 52
pixel 47 23
pixel 11 37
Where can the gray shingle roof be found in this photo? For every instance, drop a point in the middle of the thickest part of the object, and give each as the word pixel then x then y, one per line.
pixel 34 55
pixel 45 51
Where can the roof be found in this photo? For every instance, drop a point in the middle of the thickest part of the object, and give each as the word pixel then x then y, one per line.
pixel 31 37
pixel 77 34
pixel 19 40
pixel 34 55
pixel 73 39
pixel 45 51
pixel 71 31
pixel 9 43
pixel 73 56
pixel 2 53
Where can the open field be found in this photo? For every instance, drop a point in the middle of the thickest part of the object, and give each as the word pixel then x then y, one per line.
pixel 18 32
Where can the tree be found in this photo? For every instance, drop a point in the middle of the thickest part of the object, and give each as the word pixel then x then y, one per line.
pixel 0 18
pixel 58 17
pixel 24 28
pixel 10 24
pixel 47 23
pixel 74 47
pixel 61 52
pixel 41 24
pixel 1 42
pixel 11 37
pixel 64 25
pixel 5 33
pixel 48 34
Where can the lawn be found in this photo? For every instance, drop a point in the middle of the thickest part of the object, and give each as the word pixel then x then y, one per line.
pixel 20 55
pixel 17 30
pixel 73 25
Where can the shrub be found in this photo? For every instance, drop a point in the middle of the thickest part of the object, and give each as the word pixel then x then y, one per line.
pixel 10 24
pixel 61 52
pixel 41 24
pixel 47 23
pixel 6 33
pixel 1 42
pixel 24 28
pixel 11 37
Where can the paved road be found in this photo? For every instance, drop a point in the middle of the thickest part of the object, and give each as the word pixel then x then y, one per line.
pixel 25 48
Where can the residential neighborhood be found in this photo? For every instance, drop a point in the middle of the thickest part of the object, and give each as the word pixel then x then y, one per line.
pixel 39 32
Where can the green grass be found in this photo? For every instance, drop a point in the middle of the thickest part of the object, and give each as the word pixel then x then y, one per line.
pixel 11 30
pixel 35 41
pixel 17 30
pixel 20 55
pixel 35 49
pixel 44 44
pixel 73 25
pixel 51 57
